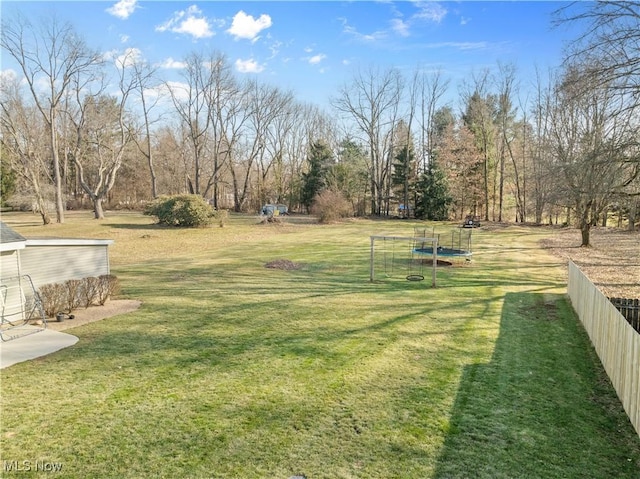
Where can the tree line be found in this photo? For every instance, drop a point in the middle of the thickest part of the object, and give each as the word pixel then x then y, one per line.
pixel 83 129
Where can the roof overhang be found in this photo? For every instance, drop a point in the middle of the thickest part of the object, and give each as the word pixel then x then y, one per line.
pixel 12 246
pixel 67 242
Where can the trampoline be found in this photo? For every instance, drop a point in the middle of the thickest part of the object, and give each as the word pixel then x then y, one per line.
pixel 443 251
pixel 456 246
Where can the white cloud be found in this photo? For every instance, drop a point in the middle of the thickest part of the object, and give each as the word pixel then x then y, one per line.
pixel 371 37
pixel 460 45
pixel 8 76
pixel 275 49
pixel 170 63
pixel 248 66
pixel 128 58
pixel 189 22
pixel 245 26
pixel 179 90
pixel 431 11
pixel 314 60
pixel 124 38
pixel 400 27
pixel 123 9
pixel 109 55
pixel 464 20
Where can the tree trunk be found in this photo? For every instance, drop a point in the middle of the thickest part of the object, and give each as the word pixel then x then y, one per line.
pixel 633 209
pixel 98 211
pixel 585 218
pixel 585 229
pixel 501 188
pixel 57 177
pixel 485 166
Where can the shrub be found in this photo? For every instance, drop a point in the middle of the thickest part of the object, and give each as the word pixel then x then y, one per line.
pixel 89 291
pixel 54 298
pixel 222 216
pixel 73 293
pixel 108 286
pixel 330 205
pixel 70 295
pixel 182 210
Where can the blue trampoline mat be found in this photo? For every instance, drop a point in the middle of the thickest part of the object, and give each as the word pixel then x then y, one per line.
pixel 442 251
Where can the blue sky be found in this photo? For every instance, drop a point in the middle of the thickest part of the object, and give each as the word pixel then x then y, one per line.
pixel 312 47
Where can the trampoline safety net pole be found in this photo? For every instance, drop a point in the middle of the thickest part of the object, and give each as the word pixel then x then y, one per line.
pixel 371 260
pixel 435 263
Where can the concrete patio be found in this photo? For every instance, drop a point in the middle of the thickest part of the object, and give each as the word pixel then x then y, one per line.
pixel 35 345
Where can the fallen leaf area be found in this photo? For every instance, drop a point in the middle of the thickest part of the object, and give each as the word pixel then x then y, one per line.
pixel 612 262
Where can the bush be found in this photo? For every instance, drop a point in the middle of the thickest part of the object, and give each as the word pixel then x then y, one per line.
pixel 222 216
pixel 54 298
pixel 70 295
pixel 108 286
pixel 330 206
pixel 89 291
pixel 182 210
pixel 73 294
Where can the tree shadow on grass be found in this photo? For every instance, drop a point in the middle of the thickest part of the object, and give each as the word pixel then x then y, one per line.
pixel 543 407
pixel 140 226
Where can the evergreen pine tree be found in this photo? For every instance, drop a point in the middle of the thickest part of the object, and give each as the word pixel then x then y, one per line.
pixel 403 176
pixel 315 180
pixel 432 198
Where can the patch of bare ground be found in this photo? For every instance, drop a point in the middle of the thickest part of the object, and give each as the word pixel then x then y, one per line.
pixel 284 264
pixel 612 262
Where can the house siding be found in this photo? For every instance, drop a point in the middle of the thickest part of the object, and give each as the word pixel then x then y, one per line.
pixel 57 263
pixel 10 295
pixel 9 263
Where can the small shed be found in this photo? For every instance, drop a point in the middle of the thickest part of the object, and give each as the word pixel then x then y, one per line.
pixel 10 245
pixel 55 260
pixel 45 261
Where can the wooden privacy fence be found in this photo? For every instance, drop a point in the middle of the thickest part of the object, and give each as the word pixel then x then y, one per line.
pixel 614 339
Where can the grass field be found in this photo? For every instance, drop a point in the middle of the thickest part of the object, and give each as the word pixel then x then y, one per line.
pixel 233 370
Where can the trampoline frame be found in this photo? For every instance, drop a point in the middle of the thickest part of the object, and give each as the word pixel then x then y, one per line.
pixel 444 252
pixel 414 240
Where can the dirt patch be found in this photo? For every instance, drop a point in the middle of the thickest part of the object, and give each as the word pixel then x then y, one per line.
pixel 544 309
pixel 440 262
pixel 612 262
pixel 95 313
pixel 283 264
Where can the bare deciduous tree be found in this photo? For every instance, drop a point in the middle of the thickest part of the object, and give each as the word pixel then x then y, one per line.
pixel 609 46
pixel 53 53
pixel 144 76
pixel 594 139
pixel 23 140
pixel 372 100
pixel 190 102
pixel 226 102
pixel 507 134
pixel 103 132
pixel 432 87
pixel 608 52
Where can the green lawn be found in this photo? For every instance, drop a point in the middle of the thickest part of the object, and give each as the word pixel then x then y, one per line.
pixel 234 370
